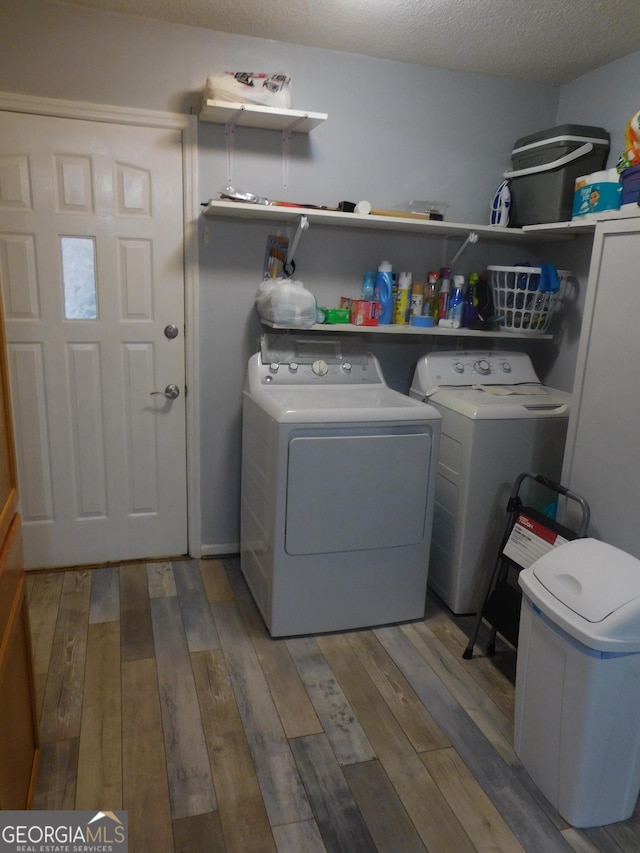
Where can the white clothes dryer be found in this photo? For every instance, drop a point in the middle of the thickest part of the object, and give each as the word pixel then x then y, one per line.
pixel 338 476
pixel 498 421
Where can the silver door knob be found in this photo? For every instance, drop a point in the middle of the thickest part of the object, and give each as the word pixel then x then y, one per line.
pixel 171 331
pixel 171 391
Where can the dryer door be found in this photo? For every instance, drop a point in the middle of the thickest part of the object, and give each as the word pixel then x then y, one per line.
pixel 357 489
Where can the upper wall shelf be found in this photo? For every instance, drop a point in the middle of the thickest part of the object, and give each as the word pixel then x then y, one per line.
pixel 581 227
pixel 560 228
pixel 242 210
pixel 253 115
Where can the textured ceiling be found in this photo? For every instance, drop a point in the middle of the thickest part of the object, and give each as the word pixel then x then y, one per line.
pixel 549 41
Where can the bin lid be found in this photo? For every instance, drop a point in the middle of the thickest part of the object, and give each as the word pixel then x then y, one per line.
pixel 591 590
pixel 585 131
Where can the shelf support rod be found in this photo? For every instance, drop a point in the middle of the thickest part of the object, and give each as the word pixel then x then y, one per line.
pixel 289 265
pixel 229 133
pixel 286 145
pixel 472 238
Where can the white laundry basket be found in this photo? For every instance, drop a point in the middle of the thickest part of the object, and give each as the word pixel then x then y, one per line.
pixel 519 304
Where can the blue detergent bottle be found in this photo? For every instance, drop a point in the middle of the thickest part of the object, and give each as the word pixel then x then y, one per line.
pixel 384 292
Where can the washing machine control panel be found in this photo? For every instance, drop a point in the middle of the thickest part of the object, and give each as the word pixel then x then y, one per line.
pixel 473 367
pixel 298 360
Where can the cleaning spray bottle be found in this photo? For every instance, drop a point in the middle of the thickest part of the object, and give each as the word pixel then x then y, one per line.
pixel 470 313
pixel 453 320
pixel 368 287
pixel 456 303
pixel 403 299
pixel 445 293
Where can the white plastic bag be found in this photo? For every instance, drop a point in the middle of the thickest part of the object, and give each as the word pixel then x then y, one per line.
pixel 286 302
pixel 245 87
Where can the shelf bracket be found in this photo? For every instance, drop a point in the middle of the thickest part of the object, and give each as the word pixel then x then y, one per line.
pixel 229 133
pixel 289 265
pixel 286 146
pixel 472 238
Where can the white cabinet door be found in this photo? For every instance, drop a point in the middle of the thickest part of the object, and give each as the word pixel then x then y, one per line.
pixel 91 254
pixel 602 463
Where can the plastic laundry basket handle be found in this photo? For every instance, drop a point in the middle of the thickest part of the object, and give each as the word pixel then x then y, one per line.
pixel 555 164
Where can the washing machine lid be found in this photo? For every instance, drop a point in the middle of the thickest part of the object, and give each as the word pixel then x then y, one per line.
pixel 340 404
pixel 590 589
pixel 504 402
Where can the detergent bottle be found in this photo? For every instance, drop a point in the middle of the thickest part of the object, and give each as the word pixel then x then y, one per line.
pixel 384 293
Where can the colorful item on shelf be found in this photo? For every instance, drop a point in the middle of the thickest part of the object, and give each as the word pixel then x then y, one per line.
pixel 247 87
pixel 631 154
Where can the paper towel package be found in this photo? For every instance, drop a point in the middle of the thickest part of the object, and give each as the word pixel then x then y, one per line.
pixel 595 193
pixel 246 87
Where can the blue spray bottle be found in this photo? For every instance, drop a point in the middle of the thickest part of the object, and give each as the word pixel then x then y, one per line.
pixel 368 287
pixel 384 293
pixel 456 303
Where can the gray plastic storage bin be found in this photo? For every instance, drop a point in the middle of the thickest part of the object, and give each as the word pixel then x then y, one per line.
pixel 577 713
pixel 545 167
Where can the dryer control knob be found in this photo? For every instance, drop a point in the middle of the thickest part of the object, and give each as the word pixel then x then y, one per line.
pixel 506 367
pixel 273 367
pixel 458 367
pixel 320 367
pixel 293 367
pixel 483 366
pixel 347 367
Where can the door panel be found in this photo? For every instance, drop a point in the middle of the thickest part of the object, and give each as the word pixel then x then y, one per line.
pixel 91 256
pixel 352 506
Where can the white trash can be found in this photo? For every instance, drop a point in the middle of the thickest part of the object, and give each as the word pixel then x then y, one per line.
pixel 577 710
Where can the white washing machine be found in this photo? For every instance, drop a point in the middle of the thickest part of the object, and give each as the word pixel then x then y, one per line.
pixel 498 421
pixel 338 476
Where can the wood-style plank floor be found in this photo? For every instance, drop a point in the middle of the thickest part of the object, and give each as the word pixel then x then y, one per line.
pixel 161 693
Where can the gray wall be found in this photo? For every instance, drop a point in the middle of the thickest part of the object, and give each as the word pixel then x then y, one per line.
pixel 607 97
pixel 395 132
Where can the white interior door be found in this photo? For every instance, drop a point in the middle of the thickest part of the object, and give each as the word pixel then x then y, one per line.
pixel 91 258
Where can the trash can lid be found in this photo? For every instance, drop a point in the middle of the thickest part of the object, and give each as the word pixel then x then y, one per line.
pixel 591 590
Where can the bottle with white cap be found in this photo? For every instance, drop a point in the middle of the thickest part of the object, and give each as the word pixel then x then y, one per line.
pixel 384 292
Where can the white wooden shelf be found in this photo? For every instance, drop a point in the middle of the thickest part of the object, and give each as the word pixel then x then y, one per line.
pixel 321 216
pixel 560 228
pixel 629 211
pixel 396 329
pixel 253 115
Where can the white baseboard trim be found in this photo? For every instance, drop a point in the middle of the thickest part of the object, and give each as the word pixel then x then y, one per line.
pixel 223 550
